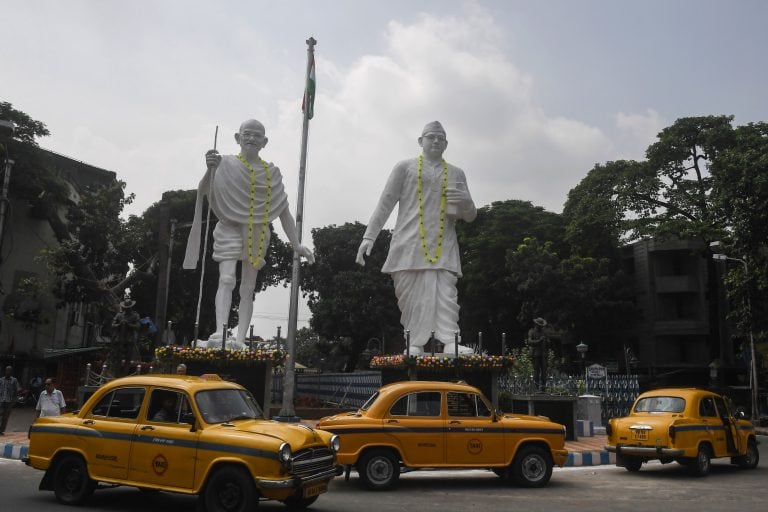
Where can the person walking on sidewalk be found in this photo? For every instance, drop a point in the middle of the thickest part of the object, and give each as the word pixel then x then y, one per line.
pixel 51 401
pixel 9 388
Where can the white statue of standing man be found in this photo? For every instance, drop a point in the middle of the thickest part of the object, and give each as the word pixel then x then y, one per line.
pixel 246 194
pixel 423 256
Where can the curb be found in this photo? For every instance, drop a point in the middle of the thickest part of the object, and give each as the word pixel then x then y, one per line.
pixel 13 451
pixel 593 458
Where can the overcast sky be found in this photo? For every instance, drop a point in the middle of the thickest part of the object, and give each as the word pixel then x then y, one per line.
pixel 532 93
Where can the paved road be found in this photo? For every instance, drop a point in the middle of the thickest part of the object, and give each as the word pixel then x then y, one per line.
pixel 605 488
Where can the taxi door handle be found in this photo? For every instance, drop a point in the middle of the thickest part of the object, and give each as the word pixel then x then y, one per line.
pixel 392 421
pixel 454 422
pixel 89 422
pixel 147 427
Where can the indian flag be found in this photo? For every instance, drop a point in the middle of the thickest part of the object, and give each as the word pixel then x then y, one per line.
pixel 308 102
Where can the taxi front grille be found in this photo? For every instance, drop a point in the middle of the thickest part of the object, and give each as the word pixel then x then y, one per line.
pixel 313 460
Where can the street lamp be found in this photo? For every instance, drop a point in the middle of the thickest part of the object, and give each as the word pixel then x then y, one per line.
pixel 582 348
pixel 753 386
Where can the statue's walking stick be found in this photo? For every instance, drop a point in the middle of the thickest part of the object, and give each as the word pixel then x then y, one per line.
pixel 212 170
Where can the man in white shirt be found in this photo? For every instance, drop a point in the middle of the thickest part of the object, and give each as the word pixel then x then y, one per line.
pixel 51 401
pixel 423 256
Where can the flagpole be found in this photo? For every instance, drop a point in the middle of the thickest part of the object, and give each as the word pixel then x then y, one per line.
pixel 287 412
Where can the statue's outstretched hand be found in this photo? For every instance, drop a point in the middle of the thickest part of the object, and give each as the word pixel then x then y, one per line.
pixel 212 158
pixel 306 252
pixel 365 249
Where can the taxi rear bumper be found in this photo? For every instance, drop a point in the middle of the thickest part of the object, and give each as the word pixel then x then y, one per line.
pixel 646 451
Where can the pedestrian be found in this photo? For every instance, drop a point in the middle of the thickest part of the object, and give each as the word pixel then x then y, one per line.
pixel 51 401
pixel 9 389
pixel 181 369
pixel 423 259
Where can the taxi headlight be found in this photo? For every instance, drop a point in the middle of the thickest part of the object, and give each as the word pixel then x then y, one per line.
pixel 284 453
pixel 335 443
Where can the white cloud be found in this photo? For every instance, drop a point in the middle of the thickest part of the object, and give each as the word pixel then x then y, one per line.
pixel 640 130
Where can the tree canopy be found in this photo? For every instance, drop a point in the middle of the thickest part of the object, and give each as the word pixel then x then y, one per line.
pixel 347 300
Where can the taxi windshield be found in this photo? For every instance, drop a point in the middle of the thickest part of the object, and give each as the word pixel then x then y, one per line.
pixel 223 405
pixel 660 404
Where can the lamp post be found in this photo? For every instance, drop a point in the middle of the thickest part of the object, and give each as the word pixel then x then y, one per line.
pixel 753 366
pixel 582 348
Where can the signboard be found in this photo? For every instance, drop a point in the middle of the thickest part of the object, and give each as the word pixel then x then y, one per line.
pixel 596 371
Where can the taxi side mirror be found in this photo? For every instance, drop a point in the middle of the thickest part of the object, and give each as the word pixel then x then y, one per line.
pixel 189 419
pixel 740 415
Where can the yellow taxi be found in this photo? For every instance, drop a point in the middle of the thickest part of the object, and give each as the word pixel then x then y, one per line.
pixel 689 426
pixel 184 434
pixel 437 425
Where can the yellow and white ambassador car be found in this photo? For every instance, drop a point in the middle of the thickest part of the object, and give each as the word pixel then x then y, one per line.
pixel 438 425
pixel 184 434
pixel 689 426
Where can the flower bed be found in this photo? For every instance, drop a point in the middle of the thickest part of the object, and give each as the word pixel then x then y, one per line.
pixel 437 362
pixel 179 354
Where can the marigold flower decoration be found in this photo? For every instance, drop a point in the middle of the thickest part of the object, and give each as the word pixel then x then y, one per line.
pixel 177 353
pixel 440 362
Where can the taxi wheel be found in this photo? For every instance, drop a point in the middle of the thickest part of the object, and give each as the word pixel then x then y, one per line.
pixel 230 489
pixel 378 469
pixel 750 459
pixel 632 464
pixel 703 462
pixel 299 503
pixel 532 467
pixel 71 483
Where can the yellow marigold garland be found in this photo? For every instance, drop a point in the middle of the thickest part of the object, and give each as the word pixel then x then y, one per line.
pixel 255 261
pixel 420 194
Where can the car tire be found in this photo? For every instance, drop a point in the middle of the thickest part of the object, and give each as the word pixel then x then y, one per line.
pixel 702 463
pixel 532 467
pixel 750 459
pixel 71 483
pixel 378 469
pixel 299 503
pixel 632 464
pixel 230 489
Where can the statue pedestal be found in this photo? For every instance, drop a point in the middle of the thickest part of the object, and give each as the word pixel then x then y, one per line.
pixel 561 409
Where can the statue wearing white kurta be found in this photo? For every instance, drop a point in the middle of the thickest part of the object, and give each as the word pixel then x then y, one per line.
pixel 246 194
pixel 424 262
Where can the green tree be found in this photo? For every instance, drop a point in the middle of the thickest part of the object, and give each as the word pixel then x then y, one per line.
pixel 347 300
pixel 89 264
pixel 668 194
pixel 488 303
pixel 702 179
pixel 582 296
pixel 740 197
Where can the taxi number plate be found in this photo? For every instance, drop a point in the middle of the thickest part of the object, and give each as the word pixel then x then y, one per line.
pixel 314 490
pixel 640 435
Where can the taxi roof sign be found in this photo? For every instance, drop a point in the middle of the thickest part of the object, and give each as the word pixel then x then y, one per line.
pixel 210 376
